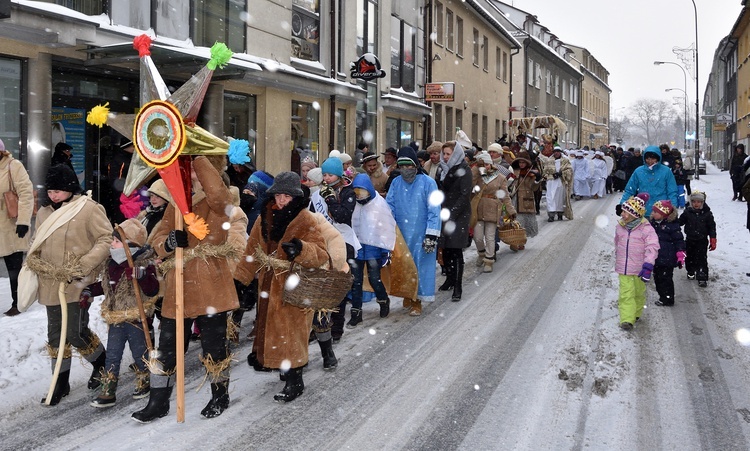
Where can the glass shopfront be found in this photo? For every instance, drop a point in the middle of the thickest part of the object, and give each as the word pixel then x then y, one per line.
pixel 305 136
pixel 10 104
pixel 398 132
pixel 240 118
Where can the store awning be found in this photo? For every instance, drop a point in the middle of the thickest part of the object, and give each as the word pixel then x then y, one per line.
pixel 172 61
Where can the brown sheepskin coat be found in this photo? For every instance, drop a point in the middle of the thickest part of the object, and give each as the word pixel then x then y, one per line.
pixel 85 239
pixel 282 330
pixel 208 284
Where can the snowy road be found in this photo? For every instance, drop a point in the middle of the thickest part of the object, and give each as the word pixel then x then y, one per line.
pixel 532 358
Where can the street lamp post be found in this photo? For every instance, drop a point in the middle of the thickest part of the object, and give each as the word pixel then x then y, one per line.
pixel 684 136
pixel 697 93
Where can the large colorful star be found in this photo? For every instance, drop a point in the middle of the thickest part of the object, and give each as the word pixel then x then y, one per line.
pixel 165 127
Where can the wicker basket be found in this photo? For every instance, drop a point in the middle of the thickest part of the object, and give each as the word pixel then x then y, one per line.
pixel 318 289
pixel 512 233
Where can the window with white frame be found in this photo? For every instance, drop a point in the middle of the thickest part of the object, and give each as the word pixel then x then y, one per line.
pixel 557 86
pixel 439 23
pixel 498 63
pixel 475 54
pixel 449 41
pixel 486 54
pixel 564 90
pixel 549 82
pixel 537 75
pixel 459 36
pixel 530 73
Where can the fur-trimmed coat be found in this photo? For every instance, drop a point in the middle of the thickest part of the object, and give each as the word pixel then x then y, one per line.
pixel 489 207
pixel 80 246
pixel 120 303
pixel 526 186
pixel 282 330
pixel 208 285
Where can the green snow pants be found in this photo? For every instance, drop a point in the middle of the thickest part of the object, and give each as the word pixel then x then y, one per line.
pixel 632 298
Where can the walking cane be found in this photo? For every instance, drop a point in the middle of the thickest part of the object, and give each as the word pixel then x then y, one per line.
pixel 61 346
pixel 136 288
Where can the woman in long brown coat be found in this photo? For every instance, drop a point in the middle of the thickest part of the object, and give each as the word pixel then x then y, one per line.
pixel 492 189
pixel 285 231
pixel 209 292
pixel 528 182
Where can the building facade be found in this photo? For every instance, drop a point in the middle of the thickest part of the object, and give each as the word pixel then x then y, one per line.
pixel 546 82
pixel 471 50
pixel 288 85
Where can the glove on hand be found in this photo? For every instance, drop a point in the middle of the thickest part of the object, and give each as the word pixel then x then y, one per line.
pixel 556 175
pixel 645 273
pixel 326 192
pixel 429 243
pixel 175 239
pixel 712 244
pixel 83 300
pixel 618 209
pixel 537 176
pixel 292 248
pixel 22 230
pixel 680 259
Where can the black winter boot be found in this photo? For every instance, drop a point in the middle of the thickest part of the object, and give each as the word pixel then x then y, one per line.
pixel 458 283
pixel 219 400
pixel 252 360
pixel 329 358
pixel 158 405
pixel 450 271
pixel 385 307
pixel 62 388
pixel 98 365
pixel 293 388
pixel 356 318
pixel 550 217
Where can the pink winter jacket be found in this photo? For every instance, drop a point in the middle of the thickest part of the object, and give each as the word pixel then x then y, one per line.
pixel 634 248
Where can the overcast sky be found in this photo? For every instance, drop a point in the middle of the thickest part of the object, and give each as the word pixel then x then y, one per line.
pixel 627 37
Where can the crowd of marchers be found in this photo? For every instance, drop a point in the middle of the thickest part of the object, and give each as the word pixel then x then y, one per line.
pixel 393 219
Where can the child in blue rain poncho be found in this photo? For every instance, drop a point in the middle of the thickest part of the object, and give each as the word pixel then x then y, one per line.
pixel 375 228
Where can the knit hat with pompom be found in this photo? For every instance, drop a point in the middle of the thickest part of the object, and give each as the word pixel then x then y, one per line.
pixel 636 205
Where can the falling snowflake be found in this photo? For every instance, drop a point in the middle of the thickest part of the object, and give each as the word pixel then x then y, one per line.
pixel 291 282
pixel 436 198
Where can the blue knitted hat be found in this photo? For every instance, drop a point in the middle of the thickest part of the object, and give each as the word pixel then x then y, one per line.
pixel 333 166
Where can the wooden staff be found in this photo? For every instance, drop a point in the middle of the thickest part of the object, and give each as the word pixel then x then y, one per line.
pixel 61 346
pixel 136 288
pixel 180 322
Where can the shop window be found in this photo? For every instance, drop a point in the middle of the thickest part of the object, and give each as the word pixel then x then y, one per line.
pixel 341 130
pixel 398 132
pixel 305 129
pixel 438 113
pixel 403 45
pixel 88 7
pixel 306 29
pixel 219 21
pixel 134 13
pixel 240 118
pixel 10 99
pixel 450 132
